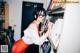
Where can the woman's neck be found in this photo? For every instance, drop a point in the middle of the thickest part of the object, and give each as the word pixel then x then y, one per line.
pixel 36 22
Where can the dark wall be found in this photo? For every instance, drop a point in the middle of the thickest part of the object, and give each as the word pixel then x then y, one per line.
pixel 27 18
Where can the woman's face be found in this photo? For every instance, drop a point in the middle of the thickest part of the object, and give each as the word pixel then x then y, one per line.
pixel 41 16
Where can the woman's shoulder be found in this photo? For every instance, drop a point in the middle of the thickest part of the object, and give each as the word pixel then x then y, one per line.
pixel 32 25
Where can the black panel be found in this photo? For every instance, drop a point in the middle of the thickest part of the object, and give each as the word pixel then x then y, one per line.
pixel 27 10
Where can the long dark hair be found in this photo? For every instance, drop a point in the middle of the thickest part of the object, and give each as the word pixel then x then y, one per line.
pixel 37 10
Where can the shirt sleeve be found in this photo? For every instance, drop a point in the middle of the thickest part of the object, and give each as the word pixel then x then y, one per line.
pixel 36 39
pixel 41 40
pixel 27 38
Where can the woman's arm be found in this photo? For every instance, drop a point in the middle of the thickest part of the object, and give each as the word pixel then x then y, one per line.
pixel 42 38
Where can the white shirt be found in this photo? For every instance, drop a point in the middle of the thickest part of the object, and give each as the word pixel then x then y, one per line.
pixel 31 36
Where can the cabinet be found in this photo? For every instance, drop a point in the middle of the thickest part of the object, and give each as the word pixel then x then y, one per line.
pixel 3 21
pixel 4 15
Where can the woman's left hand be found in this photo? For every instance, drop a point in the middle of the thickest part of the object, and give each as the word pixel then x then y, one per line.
pixel 50 24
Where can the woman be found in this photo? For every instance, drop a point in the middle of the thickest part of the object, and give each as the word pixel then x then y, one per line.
pixel 31 34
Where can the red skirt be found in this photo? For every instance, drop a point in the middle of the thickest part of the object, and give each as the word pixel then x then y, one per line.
pixel 19 46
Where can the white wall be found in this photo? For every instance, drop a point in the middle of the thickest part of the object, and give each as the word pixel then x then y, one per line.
pixel 15 14
pixel 15 7
pixel 70 39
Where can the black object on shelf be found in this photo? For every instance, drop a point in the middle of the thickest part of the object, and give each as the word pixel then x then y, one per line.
pixel 56 11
